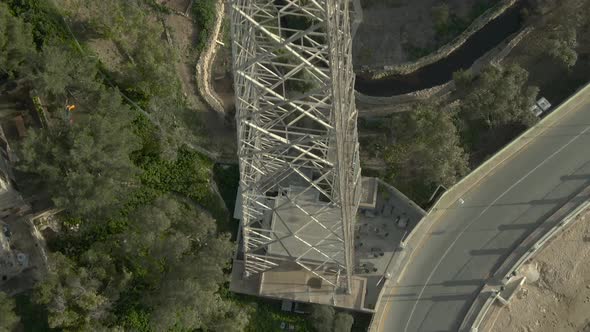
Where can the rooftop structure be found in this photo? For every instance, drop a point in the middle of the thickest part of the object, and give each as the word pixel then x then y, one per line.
pixel 385 216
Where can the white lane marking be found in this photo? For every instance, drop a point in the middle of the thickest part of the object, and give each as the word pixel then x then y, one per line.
pixel 571 108
pixel 482 212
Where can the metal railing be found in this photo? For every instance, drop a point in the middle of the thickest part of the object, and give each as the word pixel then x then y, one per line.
pixel 473 179
pixel 472 325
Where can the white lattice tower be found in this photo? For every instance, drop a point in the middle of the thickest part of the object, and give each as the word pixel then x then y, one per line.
pixel 297 135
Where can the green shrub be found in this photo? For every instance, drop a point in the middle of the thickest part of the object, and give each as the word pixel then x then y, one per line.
pixel 43 16
pixel 204 16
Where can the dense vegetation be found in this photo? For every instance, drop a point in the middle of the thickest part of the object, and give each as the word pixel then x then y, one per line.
pixel 449 25
pixel 8 317
pixel 436 144
pixel 137 250
pixel 143 244
pixel 495 107
pixel 426 152
pixel 204 14
pixel 144 68
pixel 560 24
pixel 325 318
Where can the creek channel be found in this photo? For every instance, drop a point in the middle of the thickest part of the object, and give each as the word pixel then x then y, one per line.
pixel 440 72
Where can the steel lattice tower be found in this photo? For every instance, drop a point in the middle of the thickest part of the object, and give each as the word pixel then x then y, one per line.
pixel 297 135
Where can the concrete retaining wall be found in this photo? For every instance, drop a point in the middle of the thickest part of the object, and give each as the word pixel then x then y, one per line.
pixel 206 60
pixel 369 105
pixel 405 98
pixel 478 310
pixel 543 233
pixel 409 67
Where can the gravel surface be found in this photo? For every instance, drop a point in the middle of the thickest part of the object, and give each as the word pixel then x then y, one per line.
pixel 560 299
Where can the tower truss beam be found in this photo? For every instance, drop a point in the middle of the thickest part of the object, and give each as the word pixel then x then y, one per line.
pixel 297 135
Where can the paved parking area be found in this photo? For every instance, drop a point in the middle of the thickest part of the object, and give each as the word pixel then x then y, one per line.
pixel 378 234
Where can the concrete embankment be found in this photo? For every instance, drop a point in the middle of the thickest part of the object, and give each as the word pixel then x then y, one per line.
pixel 379 106
pixel 206 60
pixel 442 52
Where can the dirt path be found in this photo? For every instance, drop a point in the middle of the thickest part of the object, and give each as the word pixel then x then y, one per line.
pixel 560 299
pixel 396 31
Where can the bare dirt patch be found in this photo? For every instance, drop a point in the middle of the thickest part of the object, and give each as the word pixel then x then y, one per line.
pixel 396 31
pixel 184 36
pixel 560 299
pixel 107 52
pixel 223 84
pixel 177 5
pixel 179 35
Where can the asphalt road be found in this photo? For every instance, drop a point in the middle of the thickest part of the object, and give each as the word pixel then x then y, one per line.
pixel 470 240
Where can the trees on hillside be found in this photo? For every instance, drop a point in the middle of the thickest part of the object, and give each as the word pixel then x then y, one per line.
pixel 325 318
pixel 83 159
pixel 62 75
pixel 167 266
pixel 85 165
pixel 494 107
pixel 558 27
pixel 204 13
pixel 343 322
pixel 440 16
pixel 182 260
pixel 140 263
pixel 322 317
pixel 426 152
pixel 72 296
pixel 498 96
pixel 152 74
pixel 17 50
pixel 8 318
pixel 561 43
pixel 431 144
pixel 111 18
pixel 147 70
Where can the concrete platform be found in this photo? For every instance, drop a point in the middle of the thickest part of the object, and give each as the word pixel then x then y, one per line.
pixel 378 235
pixel 301 220
pixel 302 223
pixel 291 282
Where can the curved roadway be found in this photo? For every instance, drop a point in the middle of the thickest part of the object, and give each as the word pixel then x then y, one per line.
pixel 470 240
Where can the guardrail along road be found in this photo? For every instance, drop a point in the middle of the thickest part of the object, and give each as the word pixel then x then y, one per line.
pixel 469 241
